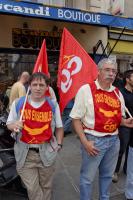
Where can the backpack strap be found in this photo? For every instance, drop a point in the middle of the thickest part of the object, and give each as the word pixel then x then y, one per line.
pixel 19 103
pixel 51 103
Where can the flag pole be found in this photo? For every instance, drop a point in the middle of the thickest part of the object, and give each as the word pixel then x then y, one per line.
pixel 26 97
pixel 21 116
pixel 126 109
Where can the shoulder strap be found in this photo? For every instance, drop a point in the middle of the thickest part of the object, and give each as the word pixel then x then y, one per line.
pixel 19 103
pixel 51 103
pixel 117 91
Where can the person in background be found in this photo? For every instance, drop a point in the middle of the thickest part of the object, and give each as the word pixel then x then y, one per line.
pixel 129 179
pixel 97 113
pixel 67 120
pixel 124 132
pixel 119 83
pixel 18 89
pixel 36 147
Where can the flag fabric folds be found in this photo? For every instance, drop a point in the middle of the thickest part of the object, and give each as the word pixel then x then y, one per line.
pixel 76 68
pixel 41 64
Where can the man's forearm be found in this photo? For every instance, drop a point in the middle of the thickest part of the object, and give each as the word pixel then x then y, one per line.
pixel 11 126
pixel 59 135
pixel 79 130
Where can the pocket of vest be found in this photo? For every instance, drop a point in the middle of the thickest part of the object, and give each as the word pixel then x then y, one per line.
pixel 50 153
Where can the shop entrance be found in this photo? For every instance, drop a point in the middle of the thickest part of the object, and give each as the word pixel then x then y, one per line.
pixel 13 63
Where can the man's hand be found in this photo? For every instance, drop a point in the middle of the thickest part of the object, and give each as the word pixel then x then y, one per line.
pixel 127 122
pixel 90 148
pixel 18 125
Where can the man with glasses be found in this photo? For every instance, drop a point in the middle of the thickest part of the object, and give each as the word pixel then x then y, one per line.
pixel 97 113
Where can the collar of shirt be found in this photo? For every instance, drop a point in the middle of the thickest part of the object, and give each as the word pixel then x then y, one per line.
pixel 99 87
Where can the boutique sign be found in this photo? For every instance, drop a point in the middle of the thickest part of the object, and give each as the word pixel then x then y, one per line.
pixel 38 10
pixel 28 9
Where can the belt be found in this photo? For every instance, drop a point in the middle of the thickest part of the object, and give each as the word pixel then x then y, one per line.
pixel 34 149
pixel 107 136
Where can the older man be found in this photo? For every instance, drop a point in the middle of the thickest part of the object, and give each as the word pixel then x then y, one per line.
pixel 96 115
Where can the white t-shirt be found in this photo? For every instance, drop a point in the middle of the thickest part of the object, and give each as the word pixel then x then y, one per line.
pixel 13 114
pixel 84 108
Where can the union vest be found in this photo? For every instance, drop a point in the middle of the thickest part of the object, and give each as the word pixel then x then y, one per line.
pixel 37 124
pixel 107 109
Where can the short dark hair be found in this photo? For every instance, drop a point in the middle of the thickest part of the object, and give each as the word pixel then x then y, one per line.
pixel 39 75
pixel 127 74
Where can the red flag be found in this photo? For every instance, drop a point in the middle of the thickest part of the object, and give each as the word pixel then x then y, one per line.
pixel 76 68
pixel 41 64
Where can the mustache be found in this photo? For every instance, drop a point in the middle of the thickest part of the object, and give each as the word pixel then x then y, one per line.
pixel 110 78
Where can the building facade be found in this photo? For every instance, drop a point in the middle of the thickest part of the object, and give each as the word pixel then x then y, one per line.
pixel 98 25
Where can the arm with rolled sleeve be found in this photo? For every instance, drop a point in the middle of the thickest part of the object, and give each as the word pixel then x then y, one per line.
pixel 78 112
pixel 13 122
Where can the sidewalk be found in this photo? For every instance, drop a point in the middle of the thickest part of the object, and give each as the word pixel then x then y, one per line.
pixel 66 182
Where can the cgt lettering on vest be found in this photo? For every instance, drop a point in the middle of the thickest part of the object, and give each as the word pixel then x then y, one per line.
pixel 79 16
pixel 37 116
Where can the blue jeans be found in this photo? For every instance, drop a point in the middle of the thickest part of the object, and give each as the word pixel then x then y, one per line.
pixel 124 136
pixel 105 161
pixel 129 180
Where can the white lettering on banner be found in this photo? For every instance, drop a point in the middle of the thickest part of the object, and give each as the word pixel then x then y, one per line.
pixel 41 11
pixel 68 75
pixel 55 13
pixel 79 16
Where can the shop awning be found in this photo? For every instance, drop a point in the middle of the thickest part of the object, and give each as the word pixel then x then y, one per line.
pixel 63 14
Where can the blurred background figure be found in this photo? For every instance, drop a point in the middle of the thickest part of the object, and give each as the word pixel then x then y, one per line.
pixel 67 120
pixel 119 83
pixel 18 89
pixel 124 132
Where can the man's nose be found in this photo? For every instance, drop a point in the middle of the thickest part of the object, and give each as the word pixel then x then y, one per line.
pixel 38 87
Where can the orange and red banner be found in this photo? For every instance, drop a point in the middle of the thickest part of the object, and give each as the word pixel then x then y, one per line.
pixel 41 64
pixel 76 68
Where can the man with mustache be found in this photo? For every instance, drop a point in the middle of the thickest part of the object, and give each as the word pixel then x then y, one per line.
pixel 97 113
pixel 36 147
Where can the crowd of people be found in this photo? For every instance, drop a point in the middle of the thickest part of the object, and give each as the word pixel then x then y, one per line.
pixel 101 115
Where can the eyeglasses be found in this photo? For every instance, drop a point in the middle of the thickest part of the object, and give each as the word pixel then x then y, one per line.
pixel 108 70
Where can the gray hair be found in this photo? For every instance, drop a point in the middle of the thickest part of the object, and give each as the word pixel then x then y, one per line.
pixel 106 61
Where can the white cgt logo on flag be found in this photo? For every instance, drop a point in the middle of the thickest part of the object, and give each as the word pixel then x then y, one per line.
pixel 67 84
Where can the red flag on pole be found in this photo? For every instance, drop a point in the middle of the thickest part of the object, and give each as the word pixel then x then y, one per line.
pixel 41 64
pixel 76 68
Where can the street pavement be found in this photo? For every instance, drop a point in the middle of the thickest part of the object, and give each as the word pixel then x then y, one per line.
pixel 66 181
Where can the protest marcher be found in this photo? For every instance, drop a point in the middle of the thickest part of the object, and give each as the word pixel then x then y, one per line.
pixel 36 147
pixel 97 113
pixel 129 179
pixel 124 132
